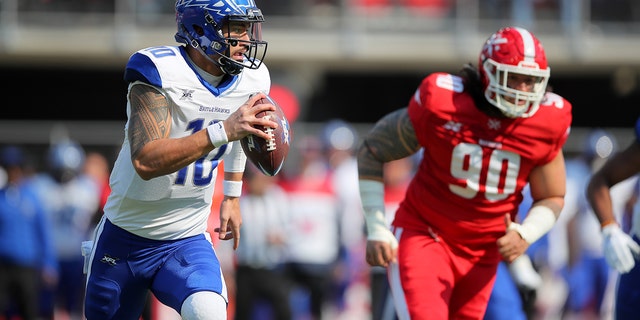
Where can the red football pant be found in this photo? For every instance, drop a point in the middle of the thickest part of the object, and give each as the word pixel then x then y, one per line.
pixel 433 281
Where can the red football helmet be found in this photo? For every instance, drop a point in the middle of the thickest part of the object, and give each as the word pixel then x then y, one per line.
pixel 513 50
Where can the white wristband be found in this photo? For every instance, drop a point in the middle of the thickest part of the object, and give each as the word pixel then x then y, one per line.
pixel 538 222
pixel 232 188
pixel 372 197
pixel 217 134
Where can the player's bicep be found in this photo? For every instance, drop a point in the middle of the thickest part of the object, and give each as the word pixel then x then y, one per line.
pixel 548 183
pixel 150 117
pixel 392 138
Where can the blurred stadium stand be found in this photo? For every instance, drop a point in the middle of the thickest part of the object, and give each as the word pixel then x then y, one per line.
pixel 332 53
pixel 352 34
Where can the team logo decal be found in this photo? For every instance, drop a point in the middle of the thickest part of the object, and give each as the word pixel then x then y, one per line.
pixel 453 126
pixel 109 260
pixel 494 124
pixel 187 94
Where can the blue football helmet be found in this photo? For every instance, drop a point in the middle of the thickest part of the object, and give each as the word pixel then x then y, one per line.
pixel 65 160
pixel 599 145
pixel 340 135
pixel 200 25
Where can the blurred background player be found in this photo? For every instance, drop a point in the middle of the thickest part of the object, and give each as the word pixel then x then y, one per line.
pixel 339 142
pixel 97 167
pixel 589 278
pixel 28 262
pixel 262 290
pixel 313 241
pixel 621 249
pixel 73 200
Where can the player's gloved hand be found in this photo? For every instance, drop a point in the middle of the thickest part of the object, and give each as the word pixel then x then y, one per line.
pixel 619 248
pixel 523 273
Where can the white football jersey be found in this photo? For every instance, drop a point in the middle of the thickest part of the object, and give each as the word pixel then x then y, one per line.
pixel 176 205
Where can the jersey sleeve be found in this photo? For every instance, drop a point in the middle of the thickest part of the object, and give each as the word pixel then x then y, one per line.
pixel 141 68
pixel 556 110
pixel 436 89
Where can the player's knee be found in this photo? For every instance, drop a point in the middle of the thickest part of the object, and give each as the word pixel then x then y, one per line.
pixel 102 299
pixel 204 305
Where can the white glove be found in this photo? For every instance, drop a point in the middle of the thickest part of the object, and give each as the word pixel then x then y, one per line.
pixel 619 248
pixel 523 273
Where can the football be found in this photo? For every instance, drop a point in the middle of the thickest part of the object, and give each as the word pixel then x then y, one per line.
pixel 269 155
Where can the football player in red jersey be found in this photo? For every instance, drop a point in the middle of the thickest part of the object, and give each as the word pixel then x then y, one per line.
pixel 484 135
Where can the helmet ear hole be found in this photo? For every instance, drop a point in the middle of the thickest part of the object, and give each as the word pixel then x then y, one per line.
pixel 198 30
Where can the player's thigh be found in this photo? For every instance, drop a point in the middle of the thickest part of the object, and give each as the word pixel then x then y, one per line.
pixel 628 294
pixel 472 289
pixel 425 276
pixel 113 292
pixel 192 267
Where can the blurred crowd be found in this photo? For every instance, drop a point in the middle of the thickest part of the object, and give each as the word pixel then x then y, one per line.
pixel 600 10
pixel 48 207
pixel 302 249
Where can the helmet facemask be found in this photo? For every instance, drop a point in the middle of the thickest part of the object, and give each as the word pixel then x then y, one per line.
pixel 256 49
pixel 512 102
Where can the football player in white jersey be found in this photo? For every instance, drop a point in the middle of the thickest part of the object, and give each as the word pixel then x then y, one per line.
pixel 185 106
pixel 621 249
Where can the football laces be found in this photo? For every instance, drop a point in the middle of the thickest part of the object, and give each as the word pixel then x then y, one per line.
pixel 271 144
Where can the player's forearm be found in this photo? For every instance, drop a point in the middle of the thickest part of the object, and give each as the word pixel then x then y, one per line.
pixel 372 197
pixel 165 156
pixel 598 194
pixel 540 219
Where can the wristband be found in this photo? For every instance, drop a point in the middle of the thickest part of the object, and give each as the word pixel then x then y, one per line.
pixel 538 222
pixel 217 134
pixel 607 222
pixel 232 188
pixel 372 197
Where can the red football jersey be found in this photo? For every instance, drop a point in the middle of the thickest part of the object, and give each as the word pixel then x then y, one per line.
pixel 474 166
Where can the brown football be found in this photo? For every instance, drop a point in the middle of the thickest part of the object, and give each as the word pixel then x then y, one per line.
pixel 269 155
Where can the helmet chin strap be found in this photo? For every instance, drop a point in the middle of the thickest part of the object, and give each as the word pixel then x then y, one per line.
pixel 229 67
